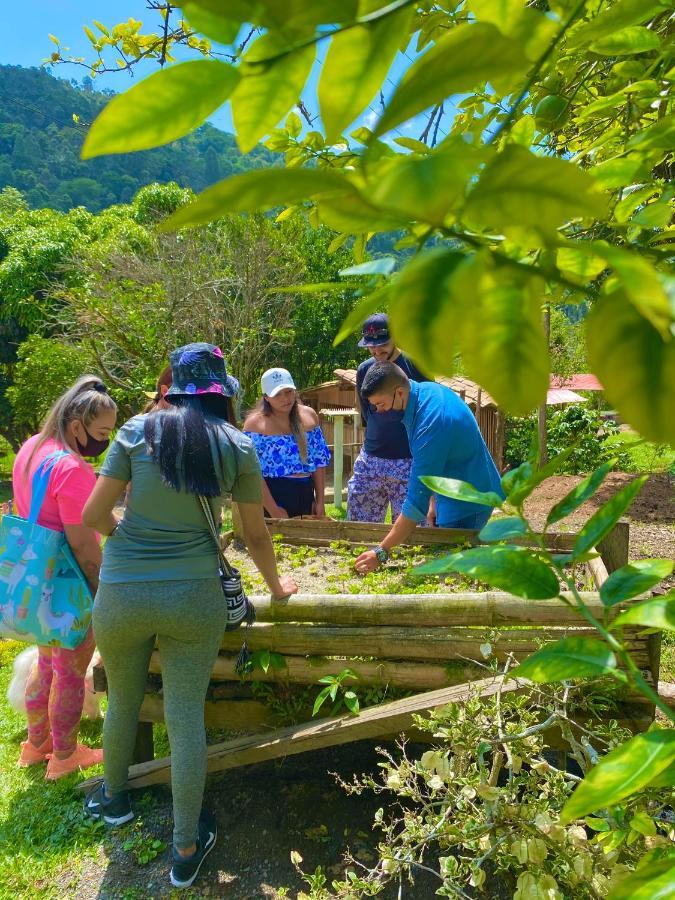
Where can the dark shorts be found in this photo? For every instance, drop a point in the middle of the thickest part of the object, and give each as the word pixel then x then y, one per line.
pixel 295 495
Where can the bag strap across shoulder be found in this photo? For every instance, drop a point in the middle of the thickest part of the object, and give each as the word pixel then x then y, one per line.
pixel 40 483
pixel 208 515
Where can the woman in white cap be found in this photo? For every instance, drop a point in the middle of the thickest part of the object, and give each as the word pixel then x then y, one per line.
pixel 291 449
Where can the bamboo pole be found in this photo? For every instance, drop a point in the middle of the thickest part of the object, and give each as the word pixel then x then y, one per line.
pixel 469 608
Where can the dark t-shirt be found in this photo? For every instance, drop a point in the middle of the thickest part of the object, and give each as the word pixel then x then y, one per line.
pixel 385 435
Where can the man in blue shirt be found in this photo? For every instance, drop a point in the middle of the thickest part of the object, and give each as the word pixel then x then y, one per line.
pixel 382 468
pixel 444 440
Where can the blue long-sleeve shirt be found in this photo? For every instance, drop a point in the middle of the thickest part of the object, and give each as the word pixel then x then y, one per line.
pixel 445 441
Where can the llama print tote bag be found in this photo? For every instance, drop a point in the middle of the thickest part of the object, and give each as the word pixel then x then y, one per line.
pixel 44 597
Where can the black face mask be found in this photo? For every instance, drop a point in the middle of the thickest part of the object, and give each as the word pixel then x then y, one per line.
pixel 93 447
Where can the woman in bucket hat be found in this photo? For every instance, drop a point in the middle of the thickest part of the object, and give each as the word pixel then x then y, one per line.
pixel 291 448
pixel 159 582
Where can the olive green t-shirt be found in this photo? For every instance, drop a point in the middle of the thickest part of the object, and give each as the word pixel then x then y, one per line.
pixel 163 535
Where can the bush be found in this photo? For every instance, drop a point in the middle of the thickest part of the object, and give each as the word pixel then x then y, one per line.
pixel 571 424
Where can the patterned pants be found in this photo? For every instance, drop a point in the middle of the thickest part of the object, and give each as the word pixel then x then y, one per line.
pixel 375 483
pixel 55 694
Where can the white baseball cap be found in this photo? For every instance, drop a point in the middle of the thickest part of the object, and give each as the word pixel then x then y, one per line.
pixel 275 380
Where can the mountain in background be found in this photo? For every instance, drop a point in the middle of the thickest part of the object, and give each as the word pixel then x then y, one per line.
pixel 40 148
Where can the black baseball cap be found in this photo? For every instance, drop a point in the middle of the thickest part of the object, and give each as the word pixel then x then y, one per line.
pixel 375 331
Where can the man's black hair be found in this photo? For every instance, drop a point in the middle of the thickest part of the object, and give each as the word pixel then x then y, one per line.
pixel 383 377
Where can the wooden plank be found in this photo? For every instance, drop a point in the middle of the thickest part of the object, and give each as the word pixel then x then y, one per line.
pixel 418 676
pixel 598 571
pixel 396 642
pixel 375 722
pixel 144 747
pixel 614 548
pixel 237 715
pixel 482 608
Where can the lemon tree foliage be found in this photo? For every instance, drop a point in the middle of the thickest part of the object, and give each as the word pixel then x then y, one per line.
pixel 552 185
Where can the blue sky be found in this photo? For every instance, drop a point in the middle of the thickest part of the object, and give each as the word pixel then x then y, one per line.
pixel 29 23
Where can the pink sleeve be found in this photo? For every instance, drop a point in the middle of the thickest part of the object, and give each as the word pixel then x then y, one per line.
pixel 71 485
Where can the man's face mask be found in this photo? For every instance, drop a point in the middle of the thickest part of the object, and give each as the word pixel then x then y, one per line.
pixel 93 446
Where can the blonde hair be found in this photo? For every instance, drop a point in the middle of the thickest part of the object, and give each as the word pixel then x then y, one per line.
pixel 85 400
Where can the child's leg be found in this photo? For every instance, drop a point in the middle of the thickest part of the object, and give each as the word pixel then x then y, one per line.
pixel 67 694
pixel 38 687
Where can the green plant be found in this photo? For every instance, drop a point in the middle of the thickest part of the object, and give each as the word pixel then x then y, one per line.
pixel 336 692
pixel 143 845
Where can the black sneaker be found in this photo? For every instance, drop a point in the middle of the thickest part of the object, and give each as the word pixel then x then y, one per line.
pixel 184 871
pixel 115 810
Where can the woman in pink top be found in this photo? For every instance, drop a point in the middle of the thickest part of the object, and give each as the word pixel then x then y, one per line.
pixel 80 422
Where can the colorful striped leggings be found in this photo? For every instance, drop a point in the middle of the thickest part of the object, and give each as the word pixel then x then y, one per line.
pixel 55 694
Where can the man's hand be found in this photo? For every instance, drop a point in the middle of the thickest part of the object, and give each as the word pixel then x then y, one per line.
pixel 288 587
pixel 278 513
pixel 367 562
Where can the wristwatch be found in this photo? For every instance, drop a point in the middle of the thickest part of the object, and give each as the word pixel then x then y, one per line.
pixel 381 554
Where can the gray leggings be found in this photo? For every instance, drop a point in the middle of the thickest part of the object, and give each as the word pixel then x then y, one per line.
pixel 187 618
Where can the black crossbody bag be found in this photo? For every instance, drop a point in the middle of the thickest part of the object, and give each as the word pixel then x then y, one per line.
pixel 240 610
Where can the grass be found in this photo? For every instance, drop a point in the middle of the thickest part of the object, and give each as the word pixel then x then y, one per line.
pixel 645 458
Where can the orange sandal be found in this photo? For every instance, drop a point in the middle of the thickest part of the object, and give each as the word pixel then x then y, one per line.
pixel 81 758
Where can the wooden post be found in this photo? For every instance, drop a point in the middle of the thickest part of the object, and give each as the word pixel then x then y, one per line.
pixel 614 548
pixel 338 451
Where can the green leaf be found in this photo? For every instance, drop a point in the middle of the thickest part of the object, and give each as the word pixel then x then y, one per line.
pixel 639 280
pixel 354 214
pixel 356 64
pixel 161 108
pixel 582 266
pixel 212 24
pixel 420 309
pixel 278 661
pixel 425 188
pixel 542 193
pixel 636 365
pixel 526 478
pixel 624 771
pixel 265 660
pixel 467 56
pixel 385 265
pixel 516 479
pixel 627 42
pixel 634 579
pixel 502 529
pixel 513 569
pixel 617 172
pixel 660 136
pixel 352 702
pixel 460 490
pixel 579 494
pixel 643 824
pixel 605 518
pixel 320 700
pixel 656 613
pixel 614 18
pixel 260 189
pixel 573 657
pixel 268 90
pixel 653 882
pixel 501 335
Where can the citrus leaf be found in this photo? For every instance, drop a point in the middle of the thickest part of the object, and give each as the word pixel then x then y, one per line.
pixel 356 64
pixel 463 59
pixel 513 569
pixel 573 657
pixel 660 136
pixel 460 490
pixel 267 91
pixel 502 529
pixel 579 494
pixel 161 108
pixel 355 215
pixel 626 42
pixel 501 336
pixel 618 16
pixel 604 519
pixel 214 25
pixel 542 193
pixel 636 365
pixel 251 191
pixel 653 882
pixel 420 309
pixel 623 771
pixel 634 579
pixel 656 613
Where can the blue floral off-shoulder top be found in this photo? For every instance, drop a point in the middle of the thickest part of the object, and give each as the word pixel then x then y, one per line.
pixel 279 456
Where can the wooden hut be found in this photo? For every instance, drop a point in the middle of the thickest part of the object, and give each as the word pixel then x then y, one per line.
pixel 341 394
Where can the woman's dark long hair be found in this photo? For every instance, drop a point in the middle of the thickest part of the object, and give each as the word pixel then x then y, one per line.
pixel 182 441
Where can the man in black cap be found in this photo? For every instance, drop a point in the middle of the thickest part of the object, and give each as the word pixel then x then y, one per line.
pixel 382 468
